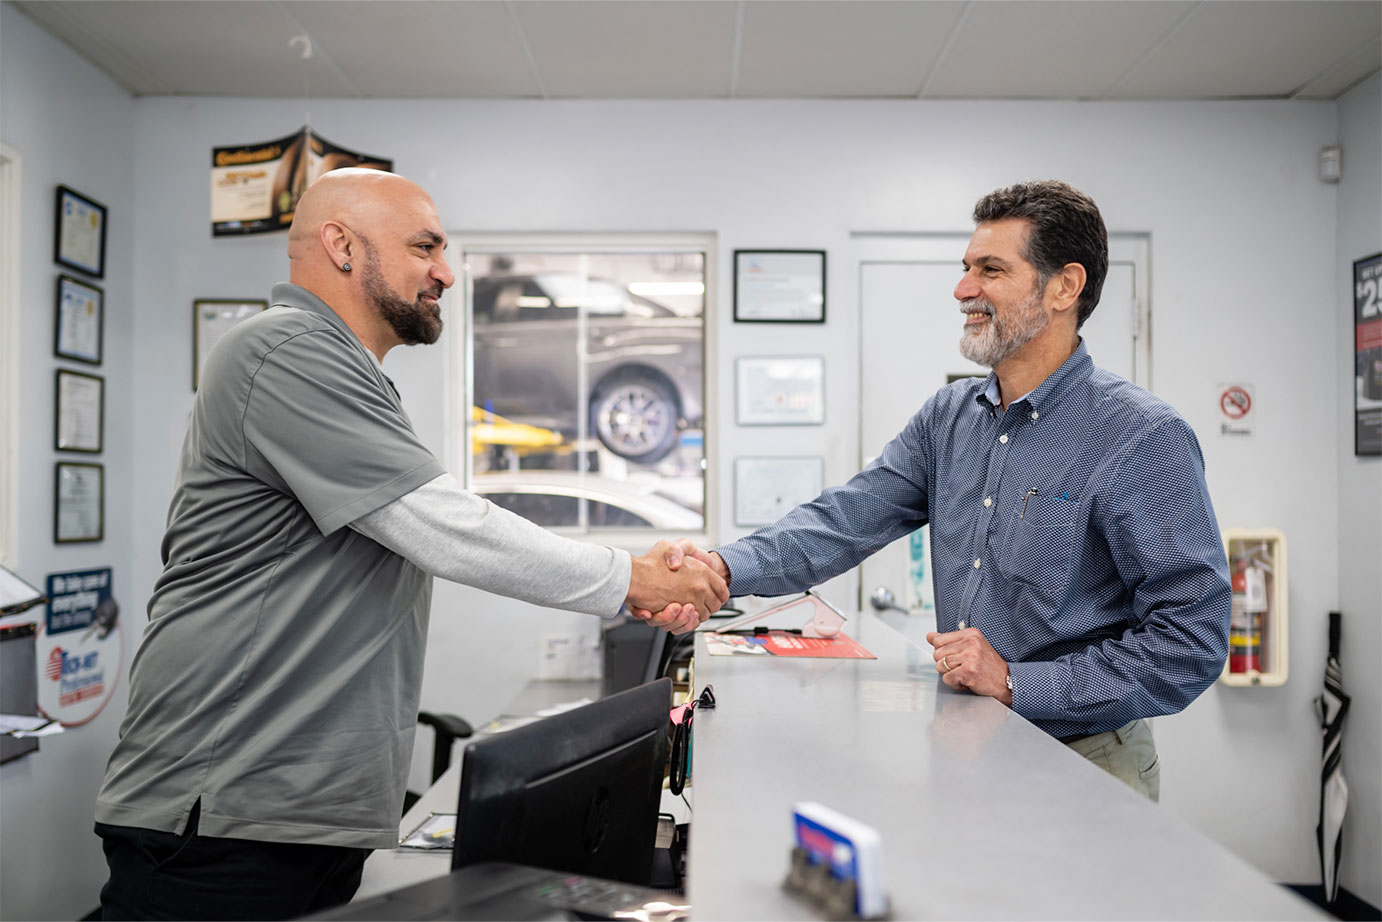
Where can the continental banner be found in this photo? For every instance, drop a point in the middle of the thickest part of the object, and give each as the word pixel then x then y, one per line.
pixel 255 187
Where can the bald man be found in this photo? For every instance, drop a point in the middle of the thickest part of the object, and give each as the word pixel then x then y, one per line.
pixel 274 696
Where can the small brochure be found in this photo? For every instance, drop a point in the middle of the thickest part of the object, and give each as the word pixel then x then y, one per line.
pixel 785 643
pixel 438 831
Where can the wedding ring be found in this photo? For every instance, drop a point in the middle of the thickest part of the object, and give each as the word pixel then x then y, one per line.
pixel 945 661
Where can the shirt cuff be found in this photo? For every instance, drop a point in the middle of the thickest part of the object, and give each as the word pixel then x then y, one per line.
pixel 739 563
pixel 1038 691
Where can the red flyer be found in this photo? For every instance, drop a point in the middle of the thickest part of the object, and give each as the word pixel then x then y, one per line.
pixel 785 643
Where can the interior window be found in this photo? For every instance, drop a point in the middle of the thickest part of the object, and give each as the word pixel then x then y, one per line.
pixel 588 371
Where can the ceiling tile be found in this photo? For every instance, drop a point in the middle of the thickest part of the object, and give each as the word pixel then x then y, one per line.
pixel 211 48
pixel 838 48
pixel 1252 48
pixel 422 48
pixel 72 23
pixel 1343 76
pixel 1052 50
pixel 606 48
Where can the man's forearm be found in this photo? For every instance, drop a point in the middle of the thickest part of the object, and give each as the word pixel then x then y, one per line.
pixel 459 536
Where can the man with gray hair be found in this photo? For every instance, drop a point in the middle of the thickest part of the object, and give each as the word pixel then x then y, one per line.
pixel 1078 570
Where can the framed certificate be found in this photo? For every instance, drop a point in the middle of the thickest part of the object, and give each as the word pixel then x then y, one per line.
pixel 779 286
pixel 79 420
pixel 212 319
pixel 80 239
pixel 80 321
pixel 766 489
pixel 79 502
pixel 780 390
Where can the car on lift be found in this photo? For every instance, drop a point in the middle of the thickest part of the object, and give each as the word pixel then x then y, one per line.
pixel 644 363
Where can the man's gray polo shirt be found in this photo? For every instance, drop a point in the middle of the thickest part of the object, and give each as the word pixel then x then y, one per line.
pixel 279 675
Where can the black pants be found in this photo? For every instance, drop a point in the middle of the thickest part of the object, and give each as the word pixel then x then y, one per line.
pixel 159 875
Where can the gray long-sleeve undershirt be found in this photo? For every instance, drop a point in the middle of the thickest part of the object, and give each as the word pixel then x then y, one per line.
pixel 460 536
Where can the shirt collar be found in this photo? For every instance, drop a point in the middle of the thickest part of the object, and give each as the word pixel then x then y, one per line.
pixel 290 295
pixel 1073 372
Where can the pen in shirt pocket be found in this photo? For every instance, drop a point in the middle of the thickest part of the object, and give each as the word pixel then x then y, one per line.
pixel 1030 493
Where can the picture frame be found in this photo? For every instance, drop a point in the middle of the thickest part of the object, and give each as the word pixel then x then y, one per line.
pixel 779 390
pixel 767 488
pixel 79 502
pixel 79 238
pixel 212 318
pixel 779 286
pixel 79 325
pixel 1367 346
pixel 79 412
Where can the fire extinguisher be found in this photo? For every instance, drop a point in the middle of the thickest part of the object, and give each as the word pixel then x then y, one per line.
pixel 1249 584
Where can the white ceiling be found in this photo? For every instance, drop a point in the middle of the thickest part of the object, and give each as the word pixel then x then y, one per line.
pixel 718 49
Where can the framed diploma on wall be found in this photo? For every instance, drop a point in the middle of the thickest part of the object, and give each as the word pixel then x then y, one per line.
pixel 79 502
pixel 766 489
pixel 779 286
pixel 80 323
pixel 80 239
pixel 79 420
pixel 780 390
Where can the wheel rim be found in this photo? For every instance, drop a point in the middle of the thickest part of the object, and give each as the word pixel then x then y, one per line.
pixel 633 419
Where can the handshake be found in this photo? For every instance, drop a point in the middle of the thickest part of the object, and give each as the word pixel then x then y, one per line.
pixel 676 585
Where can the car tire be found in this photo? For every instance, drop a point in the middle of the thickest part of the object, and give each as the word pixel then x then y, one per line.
pixel 635 415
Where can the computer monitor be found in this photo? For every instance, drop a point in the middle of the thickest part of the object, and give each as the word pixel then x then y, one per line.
pixel 633 655
pixel 577 792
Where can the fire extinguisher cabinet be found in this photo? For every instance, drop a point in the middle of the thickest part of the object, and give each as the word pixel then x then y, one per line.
pixel 1258 651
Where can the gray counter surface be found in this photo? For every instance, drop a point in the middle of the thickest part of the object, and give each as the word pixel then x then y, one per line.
pixel 982 815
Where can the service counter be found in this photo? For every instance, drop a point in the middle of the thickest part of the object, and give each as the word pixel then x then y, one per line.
pixel 982 815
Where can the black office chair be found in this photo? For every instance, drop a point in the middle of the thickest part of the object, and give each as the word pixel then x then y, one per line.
pixel 448 728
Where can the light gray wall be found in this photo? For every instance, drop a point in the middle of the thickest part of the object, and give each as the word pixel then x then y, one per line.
pixel 1359 232
pixel 1243 235
pixel 71 125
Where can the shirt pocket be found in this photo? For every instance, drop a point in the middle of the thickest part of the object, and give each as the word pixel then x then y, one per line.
pixel 1041 546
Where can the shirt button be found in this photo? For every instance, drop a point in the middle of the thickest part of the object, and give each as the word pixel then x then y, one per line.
pixel 1035 414
pixel 988 501
pixel 961 625
pixel 978 563
pixel 1003 438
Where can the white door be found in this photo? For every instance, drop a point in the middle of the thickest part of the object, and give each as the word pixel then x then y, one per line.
pixel 909 340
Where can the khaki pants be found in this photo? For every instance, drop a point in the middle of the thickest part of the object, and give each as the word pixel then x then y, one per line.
pixel 1128 754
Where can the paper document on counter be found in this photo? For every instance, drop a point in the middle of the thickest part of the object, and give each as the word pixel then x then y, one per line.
pixel 21 725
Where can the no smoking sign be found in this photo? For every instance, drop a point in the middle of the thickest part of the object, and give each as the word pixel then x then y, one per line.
pixel 1236 406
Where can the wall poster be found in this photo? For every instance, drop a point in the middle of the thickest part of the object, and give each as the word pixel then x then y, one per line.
pixel 255 187
pixel 1367 345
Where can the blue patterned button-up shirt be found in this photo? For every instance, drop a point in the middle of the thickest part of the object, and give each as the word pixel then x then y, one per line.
pixel 1075 531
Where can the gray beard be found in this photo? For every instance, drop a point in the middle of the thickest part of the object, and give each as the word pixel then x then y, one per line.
pixel 1003 336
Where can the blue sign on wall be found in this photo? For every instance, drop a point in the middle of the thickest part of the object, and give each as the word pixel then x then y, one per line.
pixel 73 598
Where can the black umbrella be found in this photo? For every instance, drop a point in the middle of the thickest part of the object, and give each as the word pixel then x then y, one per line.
pixel 1332 707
